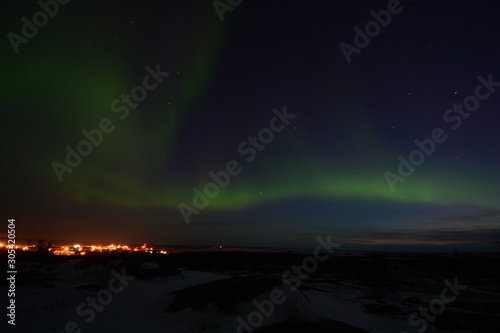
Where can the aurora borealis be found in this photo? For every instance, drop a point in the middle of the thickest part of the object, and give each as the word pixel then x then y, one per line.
pixel 323 173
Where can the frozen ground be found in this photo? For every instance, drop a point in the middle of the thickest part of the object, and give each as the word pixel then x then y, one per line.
pixel 170 295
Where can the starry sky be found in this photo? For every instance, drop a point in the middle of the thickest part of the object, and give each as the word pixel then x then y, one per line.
pixel 216 88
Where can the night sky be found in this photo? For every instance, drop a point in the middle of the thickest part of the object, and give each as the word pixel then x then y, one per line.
pixel 217 98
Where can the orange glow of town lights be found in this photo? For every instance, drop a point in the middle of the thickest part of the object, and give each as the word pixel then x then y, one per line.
pixel 86 249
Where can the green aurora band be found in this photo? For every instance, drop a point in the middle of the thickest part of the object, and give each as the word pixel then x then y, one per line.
pixel 94 84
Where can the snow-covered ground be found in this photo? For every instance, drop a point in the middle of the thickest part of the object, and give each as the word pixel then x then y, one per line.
pixel 140 307
pixel 56 299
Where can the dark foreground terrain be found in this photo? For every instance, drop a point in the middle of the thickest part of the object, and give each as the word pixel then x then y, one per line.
pixel 245 291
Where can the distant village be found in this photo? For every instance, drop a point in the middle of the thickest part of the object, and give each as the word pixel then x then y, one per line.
pixel 81 250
